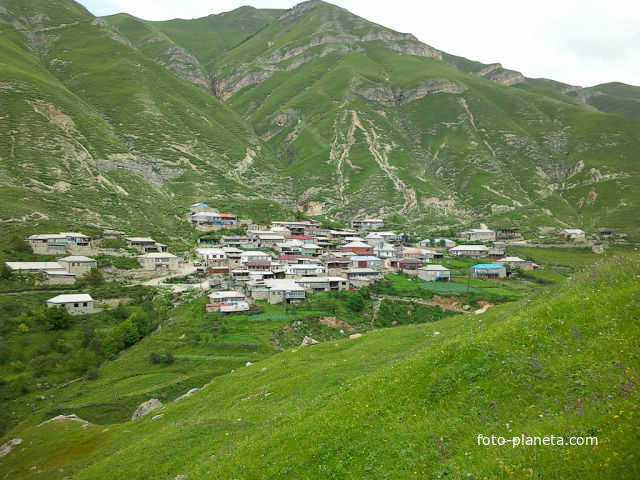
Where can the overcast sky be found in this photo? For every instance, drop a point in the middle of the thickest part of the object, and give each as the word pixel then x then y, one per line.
pixel 582 42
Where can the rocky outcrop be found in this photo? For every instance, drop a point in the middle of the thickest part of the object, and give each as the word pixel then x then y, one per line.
pixel 389 97
pixel 7 447
pixel 308 341
pixel 146 408
pixel 112 31
pixel 72 417
pixel 188 394
pixel 496 73
pixel 184 64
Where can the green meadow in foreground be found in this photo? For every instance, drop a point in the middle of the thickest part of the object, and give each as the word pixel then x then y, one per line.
pixel 404 402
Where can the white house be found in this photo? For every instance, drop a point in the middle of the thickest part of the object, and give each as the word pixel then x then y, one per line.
pixel 212 256
pixel 78 264
pixel 478 235
pixel 367 224
pixel 159 261
pixel 515 262
pixel 323 284
pixel 434 273
pixel 573 234
pixel 76 304
pixel 473 251
pixel 303 269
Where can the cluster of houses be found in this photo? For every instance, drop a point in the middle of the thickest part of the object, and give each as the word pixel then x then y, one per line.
pixel 284 260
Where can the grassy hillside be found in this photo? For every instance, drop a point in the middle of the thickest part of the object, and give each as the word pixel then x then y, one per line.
pixel 397 403
pixel 98 134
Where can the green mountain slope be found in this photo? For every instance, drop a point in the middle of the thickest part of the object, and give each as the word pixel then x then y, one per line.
pixel 96 133
pixel 405 402
pixel 368 120
pixel 312 108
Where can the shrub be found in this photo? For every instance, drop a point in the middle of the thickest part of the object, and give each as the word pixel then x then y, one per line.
pixel 57 318
pixel 162 358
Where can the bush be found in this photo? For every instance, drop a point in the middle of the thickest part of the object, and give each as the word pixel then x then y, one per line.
pixel 57 318
pixel 94 277
pixel 162 358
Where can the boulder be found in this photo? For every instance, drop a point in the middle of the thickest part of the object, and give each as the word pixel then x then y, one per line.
pixel 308 341
pixel 72 416
pixel 354 335
pixel 146 407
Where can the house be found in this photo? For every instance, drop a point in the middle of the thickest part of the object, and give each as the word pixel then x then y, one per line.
pixel 237 241
pixel 362 276
pixel 212 256
pixel 335 265
pixel 478 235
pixel 374 240
pixel 240 275
pixel 323 284
pixel 418 253
pixel 201 207
pixel 78 264
pixel 213 220
pixel 58 277
pixel 410 265
pixel 34 267
pixel 145 244
pixel 284 291
pixel 296 228
pixel 253 256
pixel 159 261
pixel 515 262
pixel 258 265
pixel 227 302
pixel 513 233
pixel 488 270
pixel 76 304
pixel 58 243
pixel 573 234
pixel 444 241
pixel 434 273
pixel 234 256
pixel 366 261
pixel 341 234
pixel 391 237
pixel 367 224
pixel 304 270
pixel 267 239
pixel 606 232
pixel 290 247
pixel 473 251
pixel 311 249
pixel 293 258
pixel 385 251
pixel 358 248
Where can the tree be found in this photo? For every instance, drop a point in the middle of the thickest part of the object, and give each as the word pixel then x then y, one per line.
pixel 5 272
pixel 57 318
pixel 94 277
pixel 356 302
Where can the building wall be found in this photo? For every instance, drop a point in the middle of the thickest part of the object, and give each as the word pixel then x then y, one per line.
pixel 59 280
pixel 79 268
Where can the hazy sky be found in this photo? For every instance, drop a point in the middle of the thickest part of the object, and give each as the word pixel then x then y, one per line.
pixel 582 42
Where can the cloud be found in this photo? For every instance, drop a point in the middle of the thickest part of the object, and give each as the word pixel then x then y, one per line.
pixel 578 42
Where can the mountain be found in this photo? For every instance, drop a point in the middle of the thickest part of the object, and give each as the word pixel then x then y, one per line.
pixel 312 108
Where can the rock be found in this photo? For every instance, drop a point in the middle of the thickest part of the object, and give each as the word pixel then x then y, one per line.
pixel 146 407
pixel 182 337
pixel 308 341
pixel 436 333
pixel 263 369
pixel 466 307
pixel 7 447
pixel 157 417
pixel 188 394
pixel 72 416
pixel 179 477
pixel 248 364
pixel 354 335
pixel 341 332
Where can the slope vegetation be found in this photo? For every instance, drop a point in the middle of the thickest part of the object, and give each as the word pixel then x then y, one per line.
pixel 397 403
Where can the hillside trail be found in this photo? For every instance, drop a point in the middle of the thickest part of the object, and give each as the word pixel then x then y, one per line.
pixel 416 300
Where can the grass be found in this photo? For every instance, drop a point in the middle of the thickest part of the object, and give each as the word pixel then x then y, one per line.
pixel 398 401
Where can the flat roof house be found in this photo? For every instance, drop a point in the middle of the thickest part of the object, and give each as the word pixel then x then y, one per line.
pixel 253 256
pixel 76 304
pixel 57 243
pixel 159 261
pixel 145 244
pixel 212 256
pixel 513 233
pixel 212 220
pixel 227 301
pixel 33 267
pixel 488 270
pixel 409 264
pixel 304 270
pixel 572 234
pixel 434 273
pixel 77 264
pixel 359 248
pixel 366 261
pixel 58 277
pixel 323 284
pixel 473 251
pixel 478 235
pixel 284 291
pixel 367 224
pixel 515 262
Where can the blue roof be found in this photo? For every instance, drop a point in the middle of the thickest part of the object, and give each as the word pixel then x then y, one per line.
pixel 200 205
pixel 487 265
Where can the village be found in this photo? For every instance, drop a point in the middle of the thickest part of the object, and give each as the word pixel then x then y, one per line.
pixel 280 263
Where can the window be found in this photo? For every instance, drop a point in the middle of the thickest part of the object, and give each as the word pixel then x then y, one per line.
pixel 75 304
pixel 84 304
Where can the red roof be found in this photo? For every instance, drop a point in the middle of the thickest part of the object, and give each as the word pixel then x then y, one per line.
pixel 226 215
